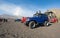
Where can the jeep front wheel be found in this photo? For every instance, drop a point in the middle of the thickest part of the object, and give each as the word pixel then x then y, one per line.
pixel 32 24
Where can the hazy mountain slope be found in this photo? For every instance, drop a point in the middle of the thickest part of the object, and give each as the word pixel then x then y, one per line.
pixel 9 16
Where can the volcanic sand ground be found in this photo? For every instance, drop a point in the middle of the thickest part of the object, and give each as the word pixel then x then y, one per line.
pixel 19 30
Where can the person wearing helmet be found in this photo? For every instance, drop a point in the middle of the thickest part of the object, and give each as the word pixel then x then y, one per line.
pixel 36 14
pixel 39 13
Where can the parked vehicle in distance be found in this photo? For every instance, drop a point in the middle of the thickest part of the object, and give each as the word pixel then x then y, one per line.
pixel 37 19
pixel 17 20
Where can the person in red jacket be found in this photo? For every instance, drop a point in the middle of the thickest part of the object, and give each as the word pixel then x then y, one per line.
pixel 23 19
pixel 53 19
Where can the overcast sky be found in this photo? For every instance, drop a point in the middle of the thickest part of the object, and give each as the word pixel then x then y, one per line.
pixel 26 7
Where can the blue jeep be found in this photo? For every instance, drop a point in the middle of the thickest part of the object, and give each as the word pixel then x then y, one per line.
pixel 37 19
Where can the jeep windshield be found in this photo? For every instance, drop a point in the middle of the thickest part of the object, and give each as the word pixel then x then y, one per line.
pixel 37 15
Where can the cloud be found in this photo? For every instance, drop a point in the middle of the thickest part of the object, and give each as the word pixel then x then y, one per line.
pixel 7 8
pixel 18 11
pixel 15 10
pixel 23 12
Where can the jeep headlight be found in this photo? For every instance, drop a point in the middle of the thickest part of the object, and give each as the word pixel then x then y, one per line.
pixel 27 20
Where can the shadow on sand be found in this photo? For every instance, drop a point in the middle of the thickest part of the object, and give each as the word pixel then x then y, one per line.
pixel 41 25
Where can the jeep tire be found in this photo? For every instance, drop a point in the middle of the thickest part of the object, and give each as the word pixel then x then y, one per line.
pixel 32 24
pixel 46 23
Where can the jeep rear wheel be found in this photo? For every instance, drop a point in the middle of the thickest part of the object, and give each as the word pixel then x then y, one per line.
pixel 32 24
pixel 46 24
